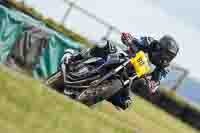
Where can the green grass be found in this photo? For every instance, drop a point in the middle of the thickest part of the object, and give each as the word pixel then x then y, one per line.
pixel 26 105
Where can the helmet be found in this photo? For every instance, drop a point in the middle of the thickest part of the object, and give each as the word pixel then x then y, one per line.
pixel 162 52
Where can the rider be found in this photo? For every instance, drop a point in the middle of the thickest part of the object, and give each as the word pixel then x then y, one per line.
pixel 160 53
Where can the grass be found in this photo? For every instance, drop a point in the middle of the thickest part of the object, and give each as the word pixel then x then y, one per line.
pixel 26 105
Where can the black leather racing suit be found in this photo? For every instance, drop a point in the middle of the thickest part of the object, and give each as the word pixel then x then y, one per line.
pixel 120 99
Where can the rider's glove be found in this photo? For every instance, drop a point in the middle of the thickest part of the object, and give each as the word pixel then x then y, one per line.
pixel 127 38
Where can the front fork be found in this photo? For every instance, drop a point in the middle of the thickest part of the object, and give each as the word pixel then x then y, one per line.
pixel 63 70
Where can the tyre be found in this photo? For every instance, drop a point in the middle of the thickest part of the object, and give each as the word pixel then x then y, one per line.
pixel 102 92
pixel 56 81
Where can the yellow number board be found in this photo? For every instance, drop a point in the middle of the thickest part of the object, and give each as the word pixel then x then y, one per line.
pixel 140 63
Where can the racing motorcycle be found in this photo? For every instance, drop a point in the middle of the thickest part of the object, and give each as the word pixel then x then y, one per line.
pixel 93 80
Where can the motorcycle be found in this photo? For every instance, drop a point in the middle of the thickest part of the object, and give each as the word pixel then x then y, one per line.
pixel 93 80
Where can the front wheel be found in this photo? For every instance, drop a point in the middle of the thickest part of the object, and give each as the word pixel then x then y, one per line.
pixel 103 91
pixel 56 81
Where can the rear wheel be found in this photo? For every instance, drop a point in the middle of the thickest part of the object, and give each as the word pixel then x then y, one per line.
pixel 104 91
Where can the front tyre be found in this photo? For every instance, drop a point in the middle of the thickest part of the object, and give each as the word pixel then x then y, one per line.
pixel 56 81
pixel 103 91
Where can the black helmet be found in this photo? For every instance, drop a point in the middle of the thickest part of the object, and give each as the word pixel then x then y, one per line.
pixel 162 52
